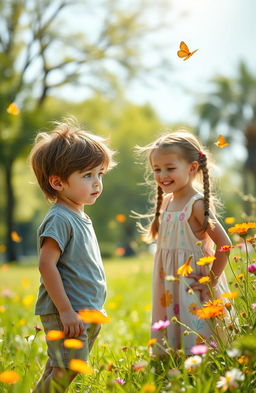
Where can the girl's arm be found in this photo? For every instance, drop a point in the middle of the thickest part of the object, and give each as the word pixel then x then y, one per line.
pixel 49 256
pixel 220 238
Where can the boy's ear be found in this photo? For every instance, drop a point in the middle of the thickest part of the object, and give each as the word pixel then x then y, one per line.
pixel 194 167
pixel 56 182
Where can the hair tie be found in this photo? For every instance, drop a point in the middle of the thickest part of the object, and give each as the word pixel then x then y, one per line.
pixel 157 214
pixel 201 155
pixel 206 213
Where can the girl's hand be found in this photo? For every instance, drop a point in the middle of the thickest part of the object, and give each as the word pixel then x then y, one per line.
pixel 203 289
pixel 73 326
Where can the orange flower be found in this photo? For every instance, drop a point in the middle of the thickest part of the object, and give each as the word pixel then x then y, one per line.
pixel 211 309
pixel 151 342
pixel 93 316
pixel 9 377
pixel 204 279
pixel 53 335
pixel 80 366
pixel 15 237
pixel 230 295
pixel 13 109
pixel 120 251
pixel 120 218
pixel 185 269
pixel 148 388
pixel 242 229
pixel 73 343
pixel 166 298
pixel 205 260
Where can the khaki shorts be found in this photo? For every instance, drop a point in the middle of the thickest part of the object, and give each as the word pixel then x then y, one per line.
pixel 59 355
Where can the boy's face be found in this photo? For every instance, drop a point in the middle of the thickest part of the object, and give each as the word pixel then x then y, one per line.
pixel 83 188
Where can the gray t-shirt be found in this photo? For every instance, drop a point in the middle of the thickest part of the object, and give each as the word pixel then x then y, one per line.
pixel 80 263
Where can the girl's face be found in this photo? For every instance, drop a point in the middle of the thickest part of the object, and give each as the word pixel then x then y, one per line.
pixel 171 172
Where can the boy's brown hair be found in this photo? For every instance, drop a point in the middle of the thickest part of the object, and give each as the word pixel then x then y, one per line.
pixel 65 150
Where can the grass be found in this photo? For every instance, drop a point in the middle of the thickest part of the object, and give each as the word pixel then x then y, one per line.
pixel 121 352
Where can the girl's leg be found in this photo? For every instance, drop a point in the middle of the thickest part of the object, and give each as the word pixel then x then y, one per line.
pixel 57 381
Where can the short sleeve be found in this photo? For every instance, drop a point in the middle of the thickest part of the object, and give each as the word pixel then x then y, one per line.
pixel 58 228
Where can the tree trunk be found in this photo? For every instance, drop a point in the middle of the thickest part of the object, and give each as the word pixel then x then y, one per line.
pixel 11 252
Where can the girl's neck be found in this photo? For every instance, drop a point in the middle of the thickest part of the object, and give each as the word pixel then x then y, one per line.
pixel 180 198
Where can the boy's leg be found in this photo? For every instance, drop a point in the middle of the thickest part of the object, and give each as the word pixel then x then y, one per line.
pixel 57 381
pixel 46 373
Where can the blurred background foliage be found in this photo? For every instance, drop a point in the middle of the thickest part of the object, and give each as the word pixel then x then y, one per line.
pixel 40 55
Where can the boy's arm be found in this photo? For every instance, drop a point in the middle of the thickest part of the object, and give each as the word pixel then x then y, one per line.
pixel 49 256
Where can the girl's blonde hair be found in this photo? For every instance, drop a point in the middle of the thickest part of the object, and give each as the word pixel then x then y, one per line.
pixel 190 149
pixel 64 150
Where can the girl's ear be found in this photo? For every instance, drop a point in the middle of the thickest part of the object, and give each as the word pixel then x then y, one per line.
pixel 194 167
pixel 56 182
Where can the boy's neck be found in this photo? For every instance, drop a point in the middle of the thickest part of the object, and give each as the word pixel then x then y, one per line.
pixel 79 209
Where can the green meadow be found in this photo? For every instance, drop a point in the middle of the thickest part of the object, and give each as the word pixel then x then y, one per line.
pixel 121 359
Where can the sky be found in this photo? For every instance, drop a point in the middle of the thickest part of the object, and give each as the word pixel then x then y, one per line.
pixel 224 31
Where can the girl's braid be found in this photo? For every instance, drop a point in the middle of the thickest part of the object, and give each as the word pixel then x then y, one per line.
pixel 155 223
pixel 206 184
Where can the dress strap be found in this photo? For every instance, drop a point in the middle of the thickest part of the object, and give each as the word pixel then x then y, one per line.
pixel 188 207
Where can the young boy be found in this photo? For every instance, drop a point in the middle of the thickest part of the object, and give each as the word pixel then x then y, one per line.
pixel 69 164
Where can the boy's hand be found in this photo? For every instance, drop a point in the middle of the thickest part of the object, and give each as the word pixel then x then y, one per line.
pixel 73 326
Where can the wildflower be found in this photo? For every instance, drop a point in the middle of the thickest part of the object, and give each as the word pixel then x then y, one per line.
pixel 243 360
pixel 28 300
pixel 192 362
pixel 160 325
pixel 199 349
pixel 73 343
pixel 7 293
pixel 37 328
pixel 204 279
pixel 225 248
pixel 242 229
pixel 211 309
pixel 213 344
pixel 229 381
pixel 171 278
pixel 254 306
pixel 236 259
pixel 205 260
pixel 15 237
pixel 93 316
pixel 54 335
pixel 252 268
pixel 233 352
pixel 13 109
pixel 151 342
pixel 174 372
pixel 230 295
pixel 148 388
pixel 120 381
pixel 240 276
pixel 140 365
pixel 251 240
pixel 228 305
pixel 185 269
pixel 9 377
pixel 120 251
pixel 229 220
pixel 80 366
pixel 120 218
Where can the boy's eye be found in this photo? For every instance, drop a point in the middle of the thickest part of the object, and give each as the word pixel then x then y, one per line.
pixel 87 175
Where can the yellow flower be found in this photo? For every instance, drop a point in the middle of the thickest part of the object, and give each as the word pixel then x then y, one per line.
pixel 151 342
pixel 148 388
pixel 93 316
pixel 80 366
pixel 230 295
pixel 28 300
pixel 2 308
pixel 9 377
pixel 54 335
pixel 185 269
pixel 73 343
pixel 13 109
pixel 229 220
pixel 204 279
pixel 205 260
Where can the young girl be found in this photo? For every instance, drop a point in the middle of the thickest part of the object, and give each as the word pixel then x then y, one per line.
pixel 186 230
pixel 69 164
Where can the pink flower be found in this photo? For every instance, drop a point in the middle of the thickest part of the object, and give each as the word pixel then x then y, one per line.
pixel 213 344
pixel 120 381
pixel 199 349
pixel 160 325
pixel 252 268
pixel 37 328
pixel 254 306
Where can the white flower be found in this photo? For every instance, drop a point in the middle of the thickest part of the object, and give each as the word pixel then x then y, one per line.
pixel 192 362
pixel 233 352
pixel 229 381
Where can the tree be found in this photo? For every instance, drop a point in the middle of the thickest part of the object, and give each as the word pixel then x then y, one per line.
pixel 234 103
pixel 40 52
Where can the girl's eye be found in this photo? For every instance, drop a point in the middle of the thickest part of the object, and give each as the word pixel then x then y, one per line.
pixel 156 170
pixel 87 175
pixel 170 169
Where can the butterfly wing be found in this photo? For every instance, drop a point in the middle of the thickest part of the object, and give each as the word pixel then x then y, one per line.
pixel 182 53
pixel 221 142
pixel 184 47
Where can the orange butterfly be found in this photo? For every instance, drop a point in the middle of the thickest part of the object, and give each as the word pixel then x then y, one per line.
pixel 184 51
pixel 221 142
pixel 13 109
